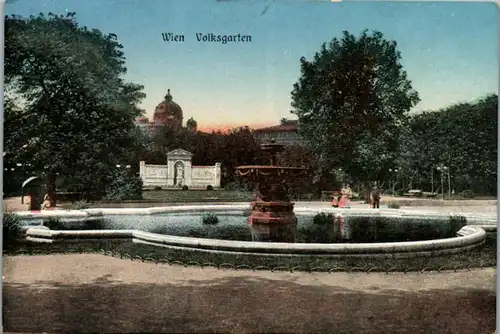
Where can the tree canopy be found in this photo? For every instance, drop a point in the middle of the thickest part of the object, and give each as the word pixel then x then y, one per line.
pixel 462 137
pixel 68 108
pixel 351 101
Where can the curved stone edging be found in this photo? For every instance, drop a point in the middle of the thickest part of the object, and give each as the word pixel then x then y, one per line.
pixel 235 207
pixel 469 236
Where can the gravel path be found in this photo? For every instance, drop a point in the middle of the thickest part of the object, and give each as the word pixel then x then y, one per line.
pixel 96 293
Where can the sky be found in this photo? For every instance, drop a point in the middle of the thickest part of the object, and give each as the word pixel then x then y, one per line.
pixel 449 49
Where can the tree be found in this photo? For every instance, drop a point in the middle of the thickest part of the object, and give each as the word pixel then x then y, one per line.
pixel 351 101
pixel 239 147
pixel 463 137
pixel 76 113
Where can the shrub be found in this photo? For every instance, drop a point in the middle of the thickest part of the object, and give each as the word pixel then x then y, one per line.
pixel 323 218
pixel 209 219
pixel 157 188
pixel 456 223
pixel 209 187
pixel 393 205
pixel 399 193
pixel 184 187
pixel 80 205
pixel 124 186
pixel 12 229
pixel 468 194
pixel 53 224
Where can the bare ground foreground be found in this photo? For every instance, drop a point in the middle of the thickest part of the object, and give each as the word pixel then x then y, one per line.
pixel 96 293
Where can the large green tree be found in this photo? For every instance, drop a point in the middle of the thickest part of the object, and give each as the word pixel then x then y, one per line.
pixel 463 137
pixel 70 110
pixel 351 101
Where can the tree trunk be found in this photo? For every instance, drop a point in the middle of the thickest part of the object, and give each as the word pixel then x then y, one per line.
pixel 51 188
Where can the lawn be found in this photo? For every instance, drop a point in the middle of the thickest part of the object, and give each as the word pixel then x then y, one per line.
pixel 189 196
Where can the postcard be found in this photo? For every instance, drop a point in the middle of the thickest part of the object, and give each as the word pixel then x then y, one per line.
pixel 194 166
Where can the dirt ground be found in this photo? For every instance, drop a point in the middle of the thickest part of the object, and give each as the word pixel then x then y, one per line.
pixel 96 293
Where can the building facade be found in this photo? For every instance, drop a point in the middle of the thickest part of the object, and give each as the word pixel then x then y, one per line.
pixel 284 134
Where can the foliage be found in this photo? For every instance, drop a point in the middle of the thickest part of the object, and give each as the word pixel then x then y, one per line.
pixel 176 196
pixel 393 205
pixel 462 137
pixel 351 101
pixel 184 187
pixel 456 222
pixel 53 224
pixel 69 111
pixel 234 148
pixel 124 186
pixel 323 218
pixel 209 188
pixel 11 229
pixel 467 194
pixel 210 219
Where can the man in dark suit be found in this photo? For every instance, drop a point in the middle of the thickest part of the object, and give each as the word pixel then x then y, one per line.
pixel 375 197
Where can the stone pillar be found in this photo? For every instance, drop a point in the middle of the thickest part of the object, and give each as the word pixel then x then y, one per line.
pixel 170 173
pixel 142 172
pixel 188 173
pixel 217 175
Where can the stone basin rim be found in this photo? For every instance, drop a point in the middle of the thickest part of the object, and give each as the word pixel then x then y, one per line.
pixel 299 208
pixel 472 236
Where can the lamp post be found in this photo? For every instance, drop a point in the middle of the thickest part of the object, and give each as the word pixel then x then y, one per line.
pixel 443 169
pixel 395 171
pixel 432 181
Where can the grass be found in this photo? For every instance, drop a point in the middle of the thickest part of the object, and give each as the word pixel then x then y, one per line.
pixel 393 205
pixel 186 196
pixel 12 231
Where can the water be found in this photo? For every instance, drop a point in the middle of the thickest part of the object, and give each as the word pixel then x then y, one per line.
pixel 234 226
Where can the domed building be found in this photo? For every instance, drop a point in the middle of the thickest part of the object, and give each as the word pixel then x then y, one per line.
pixel 168 113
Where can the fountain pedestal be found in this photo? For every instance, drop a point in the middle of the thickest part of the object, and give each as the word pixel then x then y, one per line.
pixel 272 217
pixel 272 221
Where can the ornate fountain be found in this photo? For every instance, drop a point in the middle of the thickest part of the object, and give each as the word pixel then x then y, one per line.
pixel 272 217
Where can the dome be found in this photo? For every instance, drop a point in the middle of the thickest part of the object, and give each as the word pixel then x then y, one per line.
pixel 168 112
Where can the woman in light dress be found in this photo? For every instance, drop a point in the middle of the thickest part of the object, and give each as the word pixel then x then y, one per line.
pixel 346 194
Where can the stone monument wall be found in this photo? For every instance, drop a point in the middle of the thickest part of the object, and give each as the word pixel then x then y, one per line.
pixel 153 175
pixel 194 176
pixel 203 176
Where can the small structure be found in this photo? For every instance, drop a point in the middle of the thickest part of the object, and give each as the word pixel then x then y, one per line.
pixel 179 172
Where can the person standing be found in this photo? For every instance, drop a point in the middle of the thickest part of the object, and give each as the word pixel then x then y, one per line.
pixel 346 194
pixel 375 197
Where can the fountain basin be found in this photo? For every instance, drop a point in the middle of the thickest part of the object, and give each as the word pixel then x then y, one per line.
pixel 466 238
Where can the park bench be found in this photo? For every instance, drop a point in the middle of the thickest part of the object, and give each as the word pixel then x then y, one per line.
pixel 414 193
